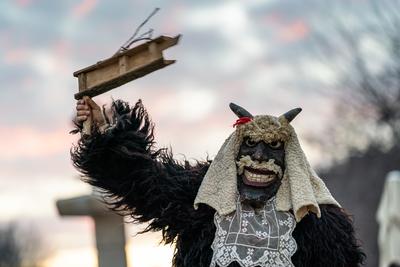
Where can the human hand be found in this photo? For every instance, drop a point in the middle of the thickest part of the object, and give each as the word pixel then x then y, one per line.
pixel 88 110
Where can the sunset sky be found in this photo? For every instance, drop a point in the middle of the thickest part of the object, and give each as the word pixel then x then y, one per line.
pixel 260 54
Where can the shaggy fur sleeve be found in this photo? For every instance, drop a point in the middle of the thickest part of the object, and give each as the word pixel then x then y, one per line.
pixel 328 241
pixel 139 181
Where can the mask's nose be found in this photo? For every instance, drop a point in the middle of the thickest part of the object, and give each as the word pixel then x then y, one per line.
pixel 259 153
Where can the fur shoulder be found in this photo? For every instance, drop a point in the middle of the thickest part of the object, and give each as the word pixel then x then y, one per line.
pixel 145 183
pixel 328 241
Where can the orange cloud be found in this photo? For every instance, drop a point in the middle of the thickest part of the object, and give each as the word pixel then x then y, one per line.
pixel 294 31
pixel 84 8
pixel 273 19
pixel 15 56
pixel 28 142
pixel 24 3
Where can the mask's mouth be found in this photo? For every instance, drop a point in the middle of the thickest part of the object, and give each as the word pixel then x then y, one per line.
pixel 258 174
pixel 258 177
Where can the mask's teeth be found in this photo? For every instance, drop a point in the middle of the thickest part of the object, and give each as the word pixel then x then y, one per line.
pixel 259 178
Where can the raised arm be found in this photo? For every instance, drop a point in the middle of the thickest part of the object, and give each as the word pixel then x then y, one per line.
pixel 139 180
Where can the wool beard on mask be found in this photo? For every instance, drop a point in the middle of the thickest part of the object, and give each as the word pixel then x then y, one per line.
pixel 258 181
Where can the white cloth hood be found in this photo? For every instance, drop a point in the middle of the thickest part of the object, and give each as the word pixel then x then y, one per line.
pixel 388 216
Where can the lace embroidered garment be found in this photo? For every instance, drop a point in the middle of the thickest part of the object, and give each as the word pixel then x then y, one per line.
pixel 252 238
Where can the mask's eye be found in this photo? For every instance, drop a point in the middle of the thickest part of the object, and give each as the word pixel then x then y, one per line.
pixel 275 144
pixel 250 143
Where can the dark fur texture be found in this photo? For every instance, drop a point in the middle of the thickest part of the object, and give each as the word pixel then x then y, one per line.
pixel 327 241
pixel 150 186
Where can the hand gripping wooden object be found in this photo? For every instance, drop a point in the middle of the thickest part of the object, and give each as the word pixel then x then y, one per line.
pixel 122 68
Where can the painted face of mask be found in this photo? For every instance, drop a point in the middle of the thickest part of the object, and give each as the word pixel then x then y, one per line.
pixel 260 163
pixel 260 170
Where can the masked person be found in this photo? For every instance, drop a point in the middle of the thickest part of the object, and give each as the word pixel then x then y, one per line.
pixel 258 203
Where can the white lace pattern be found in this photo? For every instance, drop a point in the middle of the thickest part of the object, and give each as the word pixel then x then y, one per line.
pixel 253 238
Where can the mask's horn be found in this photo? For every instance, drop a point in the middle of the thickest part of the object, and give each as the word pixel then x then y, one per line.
pixel 239 111
pixel 291 114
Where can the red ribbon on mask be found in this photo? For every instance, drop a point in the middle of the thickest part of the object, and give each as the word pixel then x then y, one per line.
pixel 242 120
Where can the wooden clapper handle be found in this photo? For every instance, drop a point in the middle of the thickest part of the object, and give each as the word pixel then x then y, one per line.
pixel 87 124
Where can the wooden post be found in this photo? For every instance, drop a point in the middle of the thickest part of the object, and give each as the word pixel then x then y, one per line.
pixel 109 228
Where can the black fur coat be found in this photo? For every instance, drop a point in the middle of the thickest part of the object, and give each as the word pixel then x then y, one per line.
pixel 150 186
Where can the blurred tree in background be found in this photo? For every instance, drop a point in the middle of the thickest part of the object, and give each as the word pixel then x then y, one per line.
pixel 20 247
pixel 363 50
pixel 364 53
pixel 10 252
